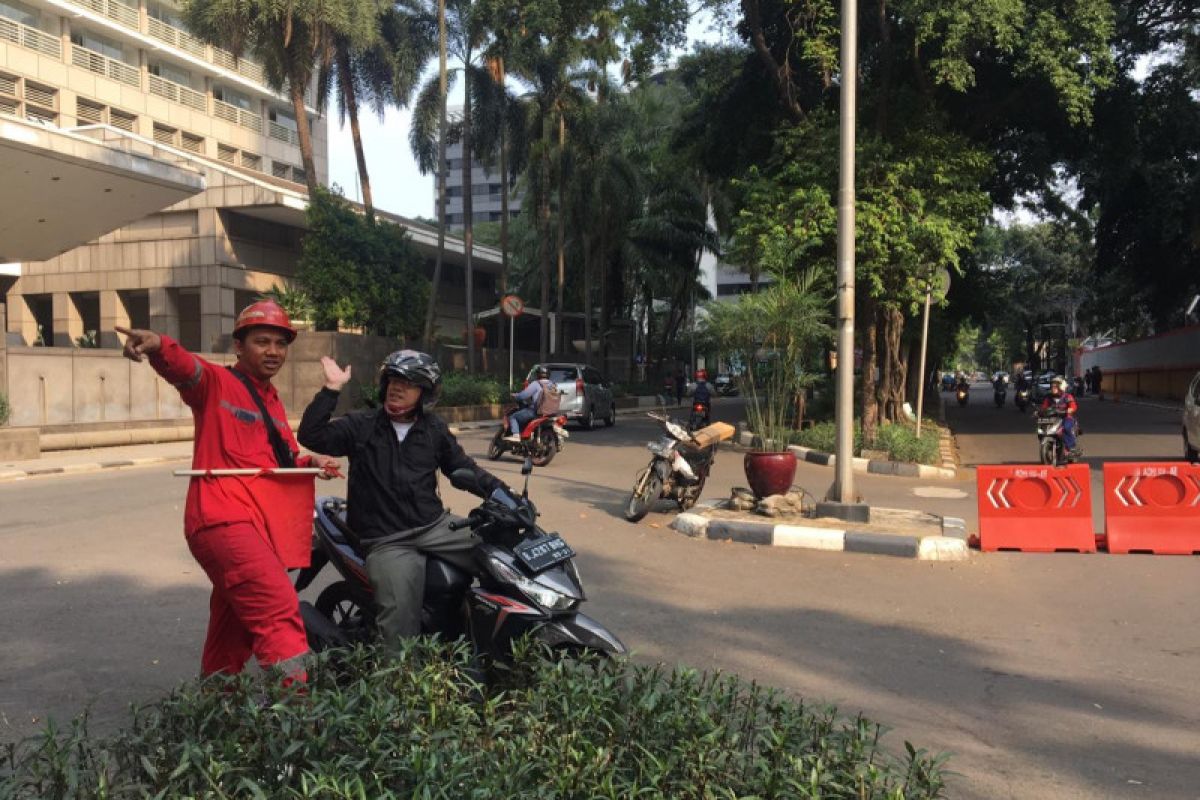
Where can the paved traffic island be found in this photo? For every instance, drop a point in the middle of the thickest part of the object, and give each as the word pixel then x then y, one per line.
pixel 891 531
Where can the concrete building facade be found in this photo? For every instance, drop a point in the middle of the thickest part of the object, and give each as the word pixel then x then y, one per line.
pixel 133 66
pixel 487 187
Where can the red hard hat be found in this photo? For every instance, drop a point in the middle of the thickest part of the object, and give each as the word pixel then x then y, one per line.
pixel 264 313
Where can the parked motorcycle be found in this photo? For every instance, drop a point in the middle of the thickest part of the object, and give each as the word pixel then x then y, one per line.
pixel 963 394
pixel 541 438
pixel 701 413
pixel 525 583
pixel 678 470
pixel 1052 448
pixel 1021 399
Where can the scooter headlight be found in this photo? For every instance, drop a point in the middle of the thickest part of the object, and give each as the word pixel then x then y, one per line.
pixel 547 598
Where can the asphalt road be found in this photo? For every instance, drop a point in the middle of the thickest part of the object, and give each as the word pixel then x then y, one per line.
pixel 1046 676
pixel 1111 432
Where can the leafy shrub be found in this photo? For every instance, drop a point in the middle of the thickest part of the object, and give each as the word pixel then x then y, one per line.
pixel 5 409
pixel 418 726
pixel 899 439
pixel 462 389
pixel 901 442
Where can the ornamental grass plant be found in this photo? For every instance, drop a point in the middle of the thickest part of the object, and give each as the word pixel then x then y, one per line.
pixel 417 725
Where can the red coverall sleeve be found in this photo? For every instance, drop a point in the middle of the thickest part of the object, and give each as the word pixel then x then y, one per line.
pixel 187 372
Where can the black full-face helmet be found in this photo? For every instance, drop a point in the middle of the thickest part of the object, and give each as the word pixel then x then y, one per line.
pixel 418 369
pixel 543 373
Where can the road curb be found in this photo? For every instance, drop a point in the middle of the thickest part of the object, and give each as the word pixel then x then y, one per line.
pixel 872 466
pixel 949 546
pixel 96 466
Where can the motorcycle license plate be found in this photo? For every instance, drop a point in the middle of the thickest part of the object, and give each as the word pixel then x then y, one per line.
pixel 543 552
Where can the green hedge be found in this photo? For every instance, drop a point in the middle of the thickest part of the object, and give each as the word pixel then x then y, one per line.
pixel 5 409
pixel 418 727
pixel 899 439
pixel 461 389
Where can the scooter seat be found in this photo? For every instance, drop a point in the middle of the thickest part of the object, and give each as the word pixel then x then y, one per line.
pixel 443 578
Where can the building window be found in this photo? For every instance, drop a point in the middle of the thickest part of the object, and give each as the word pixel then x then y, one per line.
pixel 89 112
pixel 122 119
pixel 171 73
pixel 252 161
pixel 192 143
pixel 24 98
pixel 227 154
pixel 287 172
pixel 226 95
pixel 19 12
pixel 164 134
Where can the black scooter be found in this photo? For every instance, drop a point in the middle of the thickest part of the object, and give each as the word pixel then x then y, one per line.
pixel 963 394
pixel 525 582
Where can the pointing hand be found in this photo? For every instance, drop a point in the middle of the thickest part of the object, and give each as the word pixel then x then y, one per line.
pixel 139 343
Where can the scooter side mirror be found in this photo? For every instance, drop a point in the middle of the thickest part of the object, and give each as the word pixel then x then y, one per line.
pixel 465 480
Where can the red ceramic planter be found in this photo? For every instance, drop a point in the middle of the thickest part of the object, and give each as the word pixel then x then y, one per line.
pixel 770 473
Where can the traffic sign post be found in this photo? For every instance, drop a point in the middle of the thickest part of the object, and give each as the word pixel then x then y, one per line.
pixel 512 307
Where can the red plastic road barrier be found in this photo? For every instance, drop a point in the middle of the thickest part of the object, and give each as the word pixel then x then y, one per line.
pixel 1035 508
pixel 1152 507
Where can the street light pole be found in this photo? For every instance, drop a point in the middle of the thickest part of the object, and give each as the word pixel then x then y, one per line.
pixel 924 346
pixel 842 502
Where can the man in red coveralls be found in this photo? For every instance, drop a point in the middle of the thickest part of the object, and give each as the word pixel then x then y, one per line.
pixel 253 608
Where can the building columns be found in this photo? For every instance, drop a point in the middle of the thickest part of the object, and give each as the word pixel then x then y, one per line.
pixel 68 324
pixel 217 314
pixel 164 312
pixel 112 314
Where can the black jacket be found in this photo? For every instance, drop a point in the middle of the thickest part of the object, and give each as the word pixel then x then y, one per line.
pixel 393 486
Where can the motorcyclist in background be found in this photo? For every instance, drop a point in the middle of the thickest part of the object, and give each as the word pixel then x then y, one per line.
pixel 1063 402
pixel 702 392
pixel 528 398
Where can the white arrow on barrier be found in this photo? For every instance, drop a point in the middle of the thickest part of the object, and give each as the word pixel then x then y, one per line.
pixel 1002 501
pixel 1196 481
pixel 1126 495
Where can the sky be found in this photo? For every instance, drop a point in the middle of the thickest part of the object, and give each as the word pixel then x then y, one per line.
pixel 396 183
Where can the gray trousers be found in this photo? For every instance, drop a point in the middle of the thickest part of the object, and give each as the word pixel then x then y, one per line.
pixel 396 567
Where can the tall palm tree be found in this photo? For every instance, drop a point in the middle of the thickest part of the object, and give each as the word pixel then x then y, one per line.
pixel 499 119
pixel 426 146
pixel 466 36
pixel 287 38
pixel 378 60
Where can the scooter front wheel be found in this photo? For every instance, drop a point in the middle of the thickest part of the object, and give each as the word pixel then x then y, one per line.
pixel 646 491
pixel 1047 451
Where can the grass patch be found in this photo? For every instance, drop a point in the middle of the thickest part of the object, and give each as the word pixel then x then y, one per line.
pixel 899 439
pixel 417 726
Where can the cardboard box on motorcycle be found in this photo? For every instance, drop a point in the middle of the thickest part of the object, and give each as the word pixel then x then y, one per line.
pixel 716 432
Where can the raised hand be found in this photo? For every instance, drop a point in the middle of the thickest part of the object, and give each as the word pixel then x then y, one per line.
pixel 335 376
pixel 139 343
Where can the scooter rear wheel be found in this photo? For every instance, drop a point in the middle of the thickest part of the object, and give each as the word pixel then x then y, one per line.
pixel 496 448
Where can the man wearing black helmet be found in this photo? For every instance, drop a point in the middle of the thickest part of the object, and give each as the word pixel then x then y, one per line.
pixel 395 454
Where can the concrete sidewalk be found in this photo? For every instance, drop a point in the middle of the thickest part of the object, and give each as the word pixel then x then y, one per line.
pixel 92 459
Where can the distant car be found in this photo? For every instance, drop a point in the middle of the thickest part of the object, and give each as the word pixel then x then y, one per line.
pixel 724 384
pixel 1001 375
pixel 1191 421
pixel 1041 387
pixel 586 395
